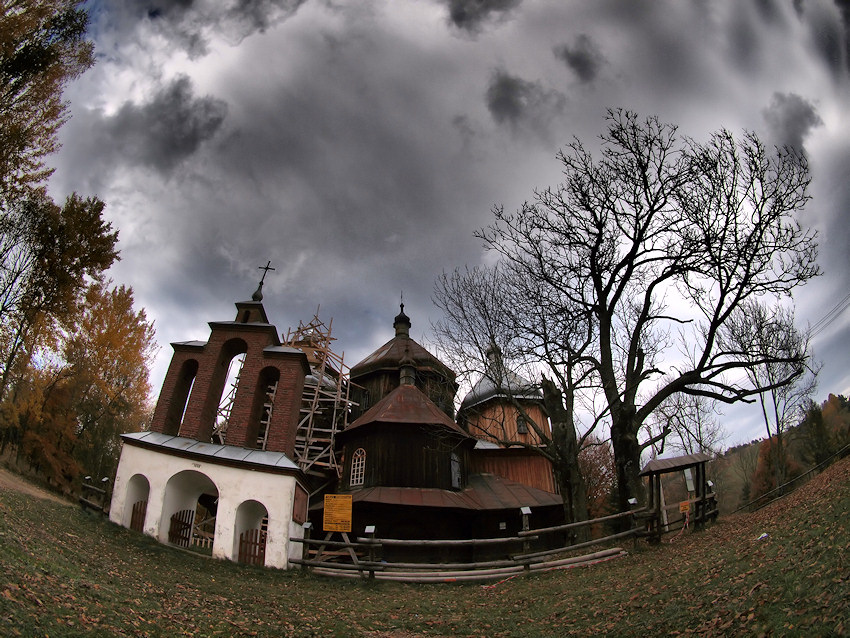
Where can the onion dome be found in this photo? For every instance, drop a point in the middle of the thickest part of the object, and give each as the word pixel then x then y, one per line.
pixel 390 355
pixel 498 382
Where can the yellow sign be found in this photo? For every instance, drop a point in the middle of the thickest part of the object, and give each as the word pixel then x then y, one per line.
pixel 337 517
pixel 685 507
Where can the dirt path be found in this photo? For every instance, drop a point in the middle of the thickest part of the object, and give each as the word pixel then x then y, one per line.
pixel 10 481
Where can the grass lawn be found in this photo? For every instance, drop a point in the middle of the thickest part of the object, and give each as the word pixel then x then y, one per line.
pixel 67 573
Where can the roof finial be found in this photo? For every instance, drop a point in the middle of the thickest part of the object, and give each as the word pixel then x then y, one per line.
pixel 258 293
pixel 402 322
pixel 407 368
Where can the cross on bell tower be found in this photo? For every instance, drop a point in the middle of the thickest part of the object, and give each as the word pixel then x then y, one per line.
pixel 258 293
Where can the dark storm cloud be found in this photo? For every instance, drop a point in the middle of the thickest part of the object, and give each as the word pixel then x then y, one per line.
pixel 189 23
pixel 830 36
pixel 769 10
pixel 163 132
pixel 359 145
pixel 520 103
pixel 471 15
pixel 790 118
pixel 583 57
pixel 844 9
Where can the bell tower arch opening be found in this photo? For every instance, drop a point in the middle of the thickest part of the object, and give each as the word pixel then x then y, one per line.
pixel 180 398
pixel 263 406
pixel 224 385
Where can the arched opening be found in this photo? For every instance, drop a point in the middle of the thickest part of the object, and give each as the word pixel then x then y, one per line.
pixel 180 398
pixel 222 393
pixel 189 511
pixel 136 503
pixel 250 533
pixel 262 406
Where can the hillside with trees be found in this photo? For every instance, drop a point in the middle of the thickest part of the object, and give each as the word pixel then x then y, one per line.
pixel 819 435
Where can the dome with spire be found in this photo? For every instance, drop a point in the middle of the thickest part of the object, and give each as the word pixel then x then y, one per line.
pixel 390 355
pixel 498 382
pixel 378 374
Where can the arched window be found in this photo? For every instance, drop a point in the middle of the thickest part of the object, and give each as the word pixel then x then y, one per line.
pixel 358 467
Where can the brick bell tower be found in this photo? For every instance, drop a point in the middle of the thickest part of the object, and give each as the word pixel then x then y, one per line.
pixel 265 409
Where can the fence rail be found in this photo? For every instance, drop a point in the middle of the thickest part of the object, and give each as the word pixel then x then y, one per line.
pixel 93 497
pixel 365 554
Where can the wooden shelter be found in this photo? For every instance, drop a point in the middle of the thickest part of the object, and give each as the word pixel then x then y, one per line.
pixel 701 501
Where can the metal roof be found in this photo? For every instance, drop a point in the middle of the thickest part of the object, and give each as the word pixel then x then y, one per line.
pixel 390 355
pixel 661 466
pixel 407 404
pixel 484 492
pixel 211 451
pixel 283 349
pixel 505 384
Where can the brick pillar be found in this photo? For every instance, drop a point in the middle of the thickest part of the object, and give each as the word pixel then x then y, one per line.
pixel 175 388
pixel 200 415
pixel 241 431
pixel 293 369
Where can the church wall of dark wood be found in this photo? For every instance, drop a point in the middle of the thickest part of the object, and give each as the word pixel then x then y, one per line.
pixel 406 456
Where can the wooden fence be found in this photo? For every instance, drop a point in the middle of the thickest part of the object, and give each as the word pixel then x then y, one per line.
pixel 786 488
pixel 180 528
pixel 93 497
pixel 362 557
pixel 137 519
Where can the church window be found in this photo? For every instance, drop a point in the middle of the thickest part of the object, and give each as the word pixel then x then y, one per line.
pixel 521 425
pixel 455 470
pixel 358 467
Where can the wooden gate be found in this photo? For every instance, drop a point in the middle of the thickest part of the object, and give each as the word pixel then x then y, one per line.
pixel 137 520
pixel 252 547
pixel 180 530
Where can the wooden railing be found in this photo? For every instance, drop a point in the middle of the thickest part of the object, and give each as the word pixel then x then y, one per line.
pixel 362 557
pixel 94 497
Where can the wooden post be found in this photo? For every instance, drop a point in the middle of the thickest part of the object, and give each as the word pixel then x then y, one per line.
pixel 700 494
pixel 655 521
pixel 633 505
pixel 370 534
pixel 305 547
pixel 526 544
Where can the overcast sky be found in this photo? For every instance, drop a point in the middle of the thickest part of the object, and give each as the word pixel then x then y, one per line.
pixel 358 145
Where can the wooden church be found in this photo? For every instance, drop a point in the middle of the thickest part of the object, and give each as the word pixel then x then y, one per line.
pixel 298 426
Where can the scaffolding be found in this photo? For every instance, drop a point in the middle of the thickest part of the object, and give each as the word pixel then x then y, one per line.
pixel 325 402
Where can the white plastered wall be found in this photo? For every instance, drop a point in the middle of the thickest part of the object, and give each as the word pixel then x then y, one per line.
pixel 235 486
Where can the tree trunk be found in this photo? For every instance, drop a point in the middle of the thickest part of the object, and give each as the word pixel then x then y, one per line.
pixel 564 448
pixel 627 460
pixel 779 460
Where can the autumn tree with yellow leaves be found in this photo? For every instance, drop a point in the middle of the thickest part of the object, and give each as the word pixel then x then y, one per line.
pixel 74 353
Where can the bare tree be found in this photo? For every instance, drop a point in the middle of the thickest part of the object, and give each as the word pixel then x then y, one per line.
pixel 636 263
pixel 492 308
pixel 784 370
pixel 692 423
